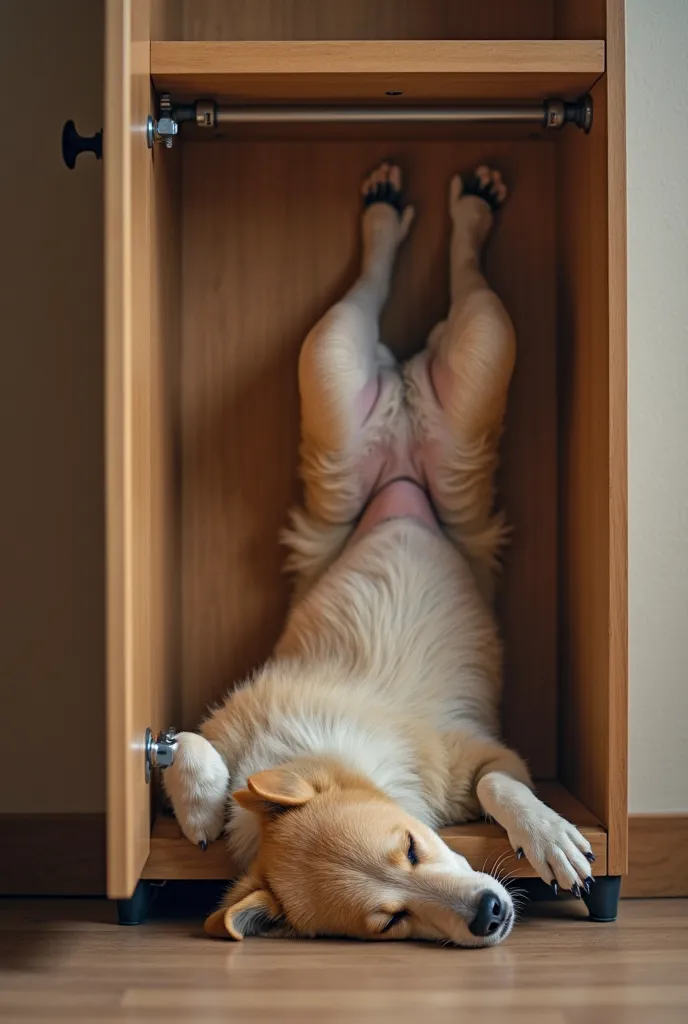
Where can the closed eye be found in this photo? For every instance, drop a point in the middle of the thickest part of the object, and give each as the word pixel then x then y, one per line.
pixel 395 919
pixel 411 851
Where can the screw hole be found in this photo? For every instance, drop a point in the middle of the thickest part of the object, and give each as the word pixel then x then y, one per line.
pixel 394 92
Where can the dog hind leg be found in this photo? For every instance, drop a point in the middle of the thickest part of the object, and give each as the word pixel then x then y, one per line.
pixel 341 361
pixel 459 384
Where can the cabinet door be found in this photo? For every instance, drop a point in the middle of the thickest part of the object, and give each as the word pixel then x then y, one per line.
pixel 135 627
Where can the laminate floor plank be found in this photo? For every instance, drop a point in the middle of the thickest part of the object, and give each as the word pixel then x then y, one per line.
pixel 70 961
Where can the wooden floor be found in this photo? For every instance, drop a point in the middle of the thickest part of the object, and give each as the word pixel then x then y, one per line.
pixel 69 961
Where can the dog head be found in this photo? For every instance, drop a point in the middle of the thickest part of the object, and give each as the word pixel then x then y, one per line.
pixel 337 857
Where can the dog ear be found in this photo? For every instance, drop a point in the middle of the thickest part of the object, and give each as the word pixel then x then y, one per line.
pixel 254 912
pixel 273 791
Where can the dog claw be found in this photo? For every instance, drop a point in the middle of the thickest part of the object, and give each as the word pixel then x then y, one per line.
pixel 575 889
pixel 591 857
pixel 203 845
pixel 555 887
pixel 519 853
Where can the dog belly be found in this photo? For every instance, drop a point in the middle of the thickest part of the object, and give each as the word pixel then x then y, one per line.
pixel 399 612
pixel 399 499
pixel 392 469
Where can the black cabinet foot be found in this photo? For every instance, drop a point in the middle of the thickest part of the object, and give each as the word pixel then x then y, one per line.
pixel 135 910
pixel 603 901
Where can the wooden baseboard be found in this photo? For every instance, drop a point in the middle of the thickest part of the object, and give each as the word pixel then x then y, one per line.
pixel 657 856
pixel 52 854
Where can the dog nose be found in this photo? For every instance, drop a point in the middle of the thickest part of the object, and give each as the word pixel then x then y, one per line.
pixel 490 914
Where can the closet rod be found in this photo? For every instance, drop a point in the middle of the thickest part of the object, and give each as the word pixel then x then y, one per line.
pixel 552 113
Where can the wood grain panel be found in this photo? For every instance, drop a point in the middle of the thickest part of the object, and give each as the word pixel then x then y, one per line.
pixel 166 19
pixel 270 241
pixel 382 132
pixel 361 19
pixel 127 336
pixel 580 19
pixel 366 70
pixel 172 856
pixel 657 855
pixel 64 962
pixel 165 284
pixel 592 299
pixel 617 800
pixel 139 257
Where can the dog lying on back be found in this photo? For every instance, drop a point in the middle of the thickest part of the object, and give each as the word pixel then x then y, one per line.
pixel 376 720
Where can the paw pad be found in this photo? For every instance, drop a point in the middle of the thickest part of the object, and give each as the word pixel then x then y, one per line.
pixel 486 185
pixel 384 186
pixel 383 192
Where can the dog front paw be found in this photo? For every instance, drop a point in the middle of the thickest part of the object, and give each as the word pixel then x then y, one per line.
pixel 558 852
pixel 197 784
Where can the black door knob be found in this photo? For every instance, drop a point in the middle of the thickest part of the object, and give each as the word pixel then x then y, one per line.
pixel 73 144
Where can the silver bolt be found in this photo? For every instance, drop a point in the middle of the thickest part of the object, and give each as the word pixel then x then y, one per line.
pixel 166 127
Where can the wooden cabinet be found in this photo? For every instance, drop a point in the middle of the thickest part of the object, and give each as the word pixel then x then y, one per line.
pixel 224 249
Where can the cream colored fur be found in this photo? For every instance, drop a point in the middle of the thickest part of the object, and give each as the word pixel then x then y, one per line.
pixel 382 695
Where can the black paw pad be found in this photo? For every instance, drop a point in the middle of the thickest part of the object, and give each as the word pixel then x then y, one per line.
pixel 383 192
pixel 475 187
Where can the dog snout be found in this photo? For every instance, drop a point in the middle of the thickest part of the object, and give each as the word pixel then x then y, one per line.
pixel 490 914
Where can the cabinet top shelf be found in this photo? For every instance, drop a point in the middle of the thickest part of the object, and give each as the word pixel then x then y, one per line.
pixel 367 70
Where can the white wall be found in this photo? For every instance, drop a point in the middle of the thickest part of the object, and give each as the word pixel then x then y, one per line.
pixel 657 124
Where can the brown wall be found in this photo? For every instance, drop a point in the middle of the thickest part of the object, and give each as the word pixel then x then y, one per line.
pixel 52 658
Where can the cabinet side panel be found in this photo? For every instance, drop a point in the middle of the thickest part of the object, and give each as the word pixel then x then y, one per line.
pixel 618 441
pixel 592 320
pixel 140 295
pixel 127 337
pixel 165 397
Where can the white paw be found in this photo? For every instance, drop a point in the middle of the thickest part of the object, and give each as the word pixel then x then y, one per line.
pixel 553 847
pixel 197 783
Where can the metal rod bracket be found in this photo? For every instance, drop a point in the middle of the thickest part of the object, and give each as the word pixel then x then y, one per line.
pixel 159 750
pixel 163 128
pixel 207 113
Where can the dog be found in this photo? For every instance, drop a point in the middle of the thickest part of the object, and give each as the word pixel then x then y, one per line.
pixel 375 722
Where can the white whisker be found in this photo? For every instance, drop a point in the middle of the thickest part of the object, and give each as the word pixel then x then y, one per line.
pixel 498 863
